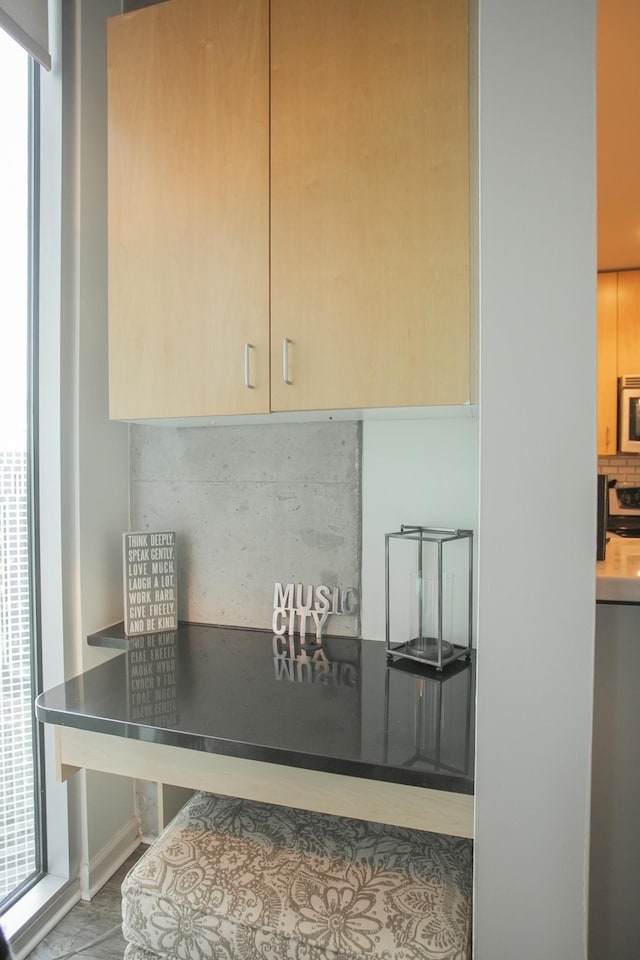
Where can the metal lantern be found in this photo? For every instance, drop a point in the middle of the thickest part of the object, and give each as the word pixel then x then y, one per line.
pixel 429 601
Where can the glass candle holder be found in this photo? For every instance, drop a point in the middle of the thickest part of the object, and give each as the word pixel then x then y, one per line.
pixel 428 592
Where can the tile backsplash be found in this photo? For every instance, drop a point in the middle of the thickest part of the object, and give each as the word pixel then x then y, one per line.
pixel 252 505
pixel 625 468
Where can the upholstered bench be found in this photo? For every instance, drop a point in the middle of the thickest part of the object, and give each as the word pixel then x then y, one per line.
pixel 237 880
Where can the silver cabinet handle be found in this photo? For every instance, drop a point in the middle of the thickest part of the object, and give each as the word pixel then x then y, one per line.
pixel 285 361
pixel 247 373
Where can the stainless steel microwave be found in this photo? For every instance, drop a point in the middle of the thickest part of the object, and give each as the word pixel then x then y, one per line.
pixel 629 414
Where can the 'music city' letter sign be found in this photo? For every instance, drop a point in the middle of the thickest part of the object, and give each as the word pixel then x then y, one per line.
pixel 296 605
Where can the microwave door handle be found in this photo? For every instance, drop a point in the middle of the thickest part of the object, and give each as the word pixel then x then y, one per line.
pixel 631 416
pixel 623 422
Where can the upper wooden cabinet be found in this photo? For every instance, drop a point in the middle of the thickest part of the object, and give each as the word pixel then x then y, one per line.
pixel 189 209
pixel 369 202
pixel 628 322
pixel 607 363
pixel 368 185
pixel 618 347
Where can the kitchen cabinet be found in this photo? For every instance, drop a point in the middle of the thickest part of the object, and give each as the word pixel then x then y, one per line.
pixel 189 209
pixel 607 363
pixel 618 347
pixel 628 322
pixel 288 206
pixel 370 203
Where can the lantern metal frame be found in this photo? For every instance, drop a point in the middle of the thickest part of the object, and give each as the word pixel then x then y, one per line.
pixel 408 649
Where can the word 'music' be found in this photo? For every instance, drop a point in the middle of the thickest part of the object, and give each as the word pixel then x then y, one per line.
pixel 309 607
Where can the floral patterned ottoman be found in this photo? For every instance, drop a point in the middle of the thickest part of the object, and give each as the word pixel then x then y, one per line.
pixel 237 880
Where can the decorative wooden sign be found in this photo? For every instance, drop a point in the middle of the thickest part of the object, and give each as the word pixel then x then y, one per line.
pixel 297 605
pixel 150 578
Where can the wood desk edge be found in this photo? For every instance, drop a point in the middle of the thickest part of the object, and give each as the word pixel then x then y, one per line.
pixel 406 806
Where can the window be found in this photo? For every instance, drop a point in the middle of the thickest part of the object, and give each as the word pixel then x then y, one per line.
pixel 21 833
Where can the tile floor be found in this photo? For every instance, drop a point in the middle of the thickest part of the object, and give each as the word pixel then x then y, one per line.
pixel 86 921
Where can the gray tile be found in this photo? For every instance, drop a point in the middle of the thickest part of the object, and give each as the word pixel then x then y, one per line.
pixel 236 539
pixel 81 926
pixel 88 920
pixel 252 505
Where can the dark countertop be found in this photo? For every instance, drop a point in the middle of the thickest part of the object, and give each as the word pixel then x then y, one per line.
pixel 335 706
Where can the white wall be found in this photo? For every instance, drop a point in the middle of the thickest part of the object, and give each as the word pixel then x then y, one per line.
pixel 537 485
pixel 413 471
pixel 99 509
pixel 102 456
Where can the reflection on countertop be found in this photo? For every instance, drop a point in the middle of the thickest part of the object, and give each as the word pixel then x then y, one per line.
pixel 618 575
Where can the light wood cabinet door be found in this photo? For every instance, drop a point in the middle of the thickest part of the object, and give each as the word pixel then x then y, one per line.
pixel 607 363
pixel 628 322
pixel 370 203
pixel 189 209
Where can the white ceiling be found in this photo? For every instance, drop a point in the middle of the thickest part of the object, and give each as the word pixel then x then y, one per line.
pixel 618 124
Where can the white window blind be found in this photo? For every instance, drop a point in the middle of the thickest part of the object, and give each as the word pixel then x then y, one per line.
pixel 27 22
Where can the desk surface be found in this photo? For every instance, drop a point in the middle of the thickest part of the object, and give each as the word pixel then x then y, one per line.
pixel 335 707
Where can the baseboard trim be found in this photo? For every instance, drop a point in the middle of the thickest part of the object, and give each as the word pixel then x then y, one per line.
pixel 95 874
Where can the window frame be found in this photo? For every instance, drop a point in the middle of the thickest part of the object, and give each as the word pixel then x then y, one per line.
pixel 32 475
pixel 49 898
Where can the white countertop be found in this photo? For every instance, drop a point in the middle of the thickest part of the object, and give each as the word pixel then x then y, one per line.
pixel 618 577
